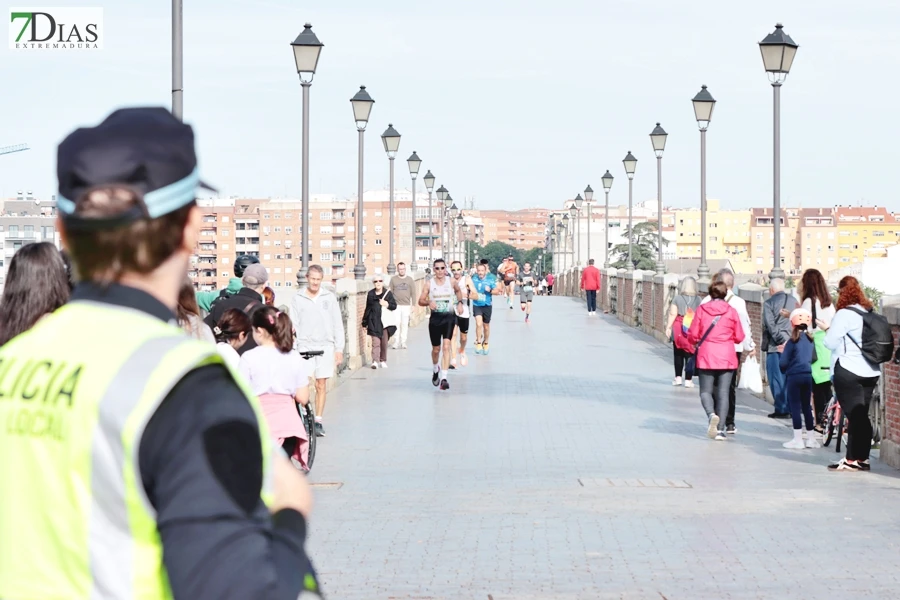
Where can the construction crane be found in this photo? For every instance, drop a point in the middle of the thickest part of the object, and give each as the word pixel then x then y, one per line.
pixel 16 148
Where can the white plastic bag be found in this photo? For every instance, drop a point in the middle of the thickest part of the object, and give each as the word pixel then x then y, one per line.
pixel 751 377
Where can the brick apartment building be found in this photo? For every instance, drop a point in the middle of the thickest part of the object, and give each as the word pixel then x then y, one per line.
pixel 524 229
pixel 23 220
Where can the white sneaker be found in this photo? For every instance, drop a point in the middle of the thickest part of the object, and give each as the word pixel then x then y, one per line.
pixel 403 346
pixel 812 443
pixel 395 347
pixel 713 427
pixel 794 445
pixel 374 365
pixel 689 384
pixel 676 381
pixel 384 365
pixel 463 359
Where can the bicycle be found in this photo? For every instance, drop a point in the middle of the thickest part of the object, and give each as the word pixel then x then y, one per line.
pixel 308 414
pixel 834 421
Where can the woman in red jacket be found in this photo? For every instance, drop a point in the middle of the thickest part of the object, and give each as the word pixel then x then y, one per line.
pixel 715 331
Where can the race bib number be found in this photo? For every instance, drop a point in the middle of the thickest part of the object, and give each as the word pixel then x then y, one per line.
pixel 443 306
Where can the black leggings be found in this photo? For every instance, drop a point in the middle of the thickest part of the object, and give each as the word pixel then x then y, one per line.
pixel 821 397
pixel 854 393
pixel 681 359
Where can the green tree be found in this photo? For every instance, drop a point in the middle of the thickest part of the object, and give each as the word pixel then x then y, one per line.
pixel 495 252
pixel 538 258
pixel 644 247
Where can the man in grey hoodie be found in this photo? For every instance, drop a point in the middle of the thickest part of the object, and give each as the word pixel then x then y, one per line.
pixel 318 326
pixel 776 332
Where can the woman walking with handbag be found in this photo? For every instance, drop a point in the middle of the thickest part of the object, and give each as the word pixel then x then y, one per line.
pixel 715 330
pixel 681 314
pixel 379 302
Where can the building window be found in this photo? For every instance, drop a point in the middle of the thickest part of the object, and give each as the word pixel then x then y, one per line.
pixel 325 230
pixel 288 215
pixel 377 213
pixel 278 230
pixel 267 216
pixel 378 242
pixel 277 215
pixel 288 284
pixel 325 215
pixel 289 229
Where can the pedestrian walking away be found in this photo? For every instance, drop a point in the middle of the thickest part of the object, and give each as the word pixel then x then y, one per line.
pixel 379 303
pixel 817 300
pixel 444 298
pixel 590 283
pixel 279 376
pixel 318 326
pixel 151 472
pixel 855 377
pixel 403 289
pixel 748 345
pixel 526 281
pixel 715 330
pixel 462 320
pixel 681 315
pixel 550 280
pixel 486 287
pixel 776 332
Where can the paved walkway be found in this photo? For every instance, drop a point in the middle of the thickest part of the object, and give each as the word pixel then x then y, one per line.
pixel 565 466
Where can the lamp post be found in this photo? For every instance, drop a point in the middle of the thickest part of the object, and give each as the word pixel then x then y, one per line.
pixel 362 107
pixel 703 109
pixel 573 216
pixel 778 52
pixel 658 139
pixel 465 229
pixel 177 59
pixel 429 185
pixel 307 48
pixel 442 195
pixel 588 198
pixel 414 163
pixel 565 240
pixel 452 212
pixel 630 163
pixel 457 235
pixel 579 202
pixel 607 185
pixel 445 227
pixel 391 140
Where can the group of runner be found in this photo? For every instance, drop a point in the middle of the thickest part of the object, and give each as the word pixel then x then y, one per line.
pixel 457 297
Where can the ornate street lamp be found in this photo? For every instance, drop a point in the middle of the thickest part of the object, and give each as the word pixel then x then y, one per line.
pixel 607 185
pixel 588 198
pixel 362 108
pixel 778 51
pixel 630 163
pixel 704 104
pixel 658 139
pixel 414 163
pixel 307 49
pixel 391 140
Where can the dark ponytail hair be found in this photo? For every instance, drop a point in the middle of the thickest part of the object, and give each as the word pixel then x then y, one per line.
pixel 232 324
pixel 277 324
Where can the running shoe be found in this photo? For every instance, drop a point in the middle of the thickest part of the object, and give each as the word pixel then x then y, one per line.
pixel 463 359
pixel 374 365
pixel 721 437
pixel 478 348
pixel 527 317
pixel 712 428
pixel 730 429
pixel 444 384
pixel 383 365
pixel 435 378
pixel 485 350
pixel 320 429
pixel 845 465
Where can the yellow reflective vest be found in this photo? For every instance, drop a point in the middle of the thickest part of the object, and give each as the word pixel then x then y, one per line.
pixel 76 393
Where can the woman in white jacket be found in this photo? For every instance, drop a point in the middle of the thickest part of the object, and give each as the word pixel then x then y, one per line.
pixel 855 377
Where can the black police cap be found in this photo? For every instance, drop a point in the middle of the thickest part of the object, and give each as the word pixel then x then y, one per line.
pixel 145 149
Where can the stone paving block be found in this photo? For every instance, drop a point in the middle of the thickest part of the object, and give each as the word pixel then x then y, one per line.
pixel 565 466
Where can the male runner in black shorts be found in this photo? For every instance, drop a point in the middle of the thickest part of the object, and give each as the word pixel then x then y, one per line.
pixel 441 295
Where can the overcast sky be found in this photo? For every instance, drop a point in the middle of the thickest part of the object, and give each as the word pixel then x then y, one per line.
pixel 517 103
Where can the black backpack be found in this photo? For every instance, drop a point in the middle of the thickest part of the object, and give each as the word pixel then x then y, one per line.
pixel 877 338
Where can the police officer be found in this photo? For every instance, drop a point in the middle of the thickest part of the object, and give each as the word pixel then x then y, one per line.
pixel 134 463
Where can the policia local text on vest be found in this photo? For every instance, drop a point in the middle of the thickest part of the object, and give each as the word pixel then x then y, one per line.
pixel 135 464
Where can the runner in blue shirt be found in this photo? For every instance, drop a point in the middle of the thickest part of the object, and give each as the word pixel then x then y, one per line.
pixel 487 286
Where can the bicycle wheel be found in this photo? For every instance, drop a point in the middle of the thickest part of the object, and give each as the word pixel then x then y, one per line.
pixel 840 432
pixel 308 414
pixel 829 424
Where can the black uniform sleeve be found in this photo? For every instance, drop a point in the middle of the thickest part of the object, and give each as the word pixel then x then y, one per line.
pixel 201 465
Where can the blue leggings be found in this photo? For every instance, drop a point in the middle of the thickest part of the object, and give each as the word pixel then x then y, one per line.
pixel 799 394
